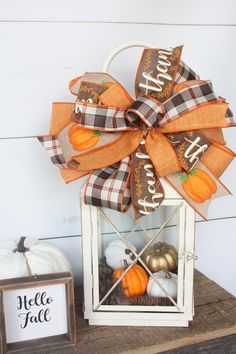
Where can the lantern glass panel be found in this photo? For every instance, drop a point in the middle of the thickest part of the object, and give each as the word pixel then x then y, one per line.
pixel 148 251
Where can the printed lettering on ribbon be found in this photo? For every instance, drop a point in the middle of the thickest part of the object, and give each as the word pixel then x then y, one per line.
pixel 189 147
pixel 146 189
pixel 156 72
pixel 89 92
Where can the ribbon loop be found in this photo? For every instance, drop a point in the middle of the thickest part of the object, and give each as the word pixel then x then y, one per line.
pixel 188 97
pixel 107 154
pixel 92 116
pixel 108 187
pixel 147 109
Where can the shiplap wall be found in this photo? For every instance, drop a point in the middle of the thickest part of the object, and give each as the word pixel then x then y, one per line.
pixel 46 43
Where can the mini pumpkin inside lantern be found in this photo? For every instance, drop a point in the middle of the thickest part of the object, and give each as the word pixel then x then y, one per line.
pixel 134 283
pixel 168 280
pixel 117 252
pixel 161 256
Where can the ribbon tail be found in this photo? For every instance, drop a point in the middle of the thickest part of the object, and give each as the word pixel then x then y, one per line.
pixel 61 114
pixel 109 187
pixel 217 158
pixel 147 192
pixel 70 175
pixel 202 188
pixel 52 146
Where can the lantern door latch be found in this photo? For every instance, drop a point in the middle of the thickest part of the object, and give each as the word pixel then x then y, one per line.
pixel 188 256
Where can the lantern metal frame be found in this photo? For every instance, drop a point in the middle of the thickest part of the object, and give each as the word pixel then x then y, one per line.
pixel 99 314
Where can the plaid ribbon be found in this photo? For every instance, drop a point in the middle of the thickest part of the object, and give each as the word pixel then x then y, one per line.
pixel 107 187
pixel 149 110
pixel 185 73
pixel 101 118
pixel 153 113
pixel 51 144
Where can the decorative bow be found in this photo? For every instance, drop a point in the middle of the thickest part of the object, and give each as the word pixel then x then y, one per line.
pixel 172 130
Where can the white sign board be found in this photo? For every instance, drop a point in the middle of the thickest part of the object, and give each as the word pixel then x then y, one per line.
pixel 35 312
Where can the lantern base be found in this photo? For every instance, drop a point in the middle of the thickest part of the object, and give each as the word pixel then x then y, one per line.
pixel 138 319
pixel 140 322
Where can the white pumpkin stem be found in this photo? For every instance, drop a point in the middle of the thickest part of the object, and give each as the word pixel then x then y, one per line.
pixel 20 246
pixel 168 274
pixel 22 249
pixel 128 251
pixel 125 263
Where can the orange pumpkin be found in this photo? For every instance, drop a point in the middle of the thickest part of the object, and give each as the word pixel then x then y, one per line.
pixel 83 139
pixel 198 185
pixel 134 282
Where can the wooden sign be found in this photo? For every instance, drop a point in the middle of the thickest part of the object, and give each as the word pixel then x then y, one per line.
pixel 37 312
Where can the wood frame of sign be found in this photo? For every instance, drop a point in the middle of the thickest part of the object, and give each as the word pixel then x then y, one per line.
pixel 58 283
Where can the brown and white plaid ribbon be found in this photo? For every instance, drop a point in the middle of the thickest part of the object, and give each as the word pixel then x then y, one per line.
pixel 153 113
pixel 108 188
pixel 51 144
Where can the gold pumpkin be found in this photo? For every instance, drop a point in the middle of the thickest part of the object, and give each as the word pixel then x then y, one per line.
pixel 161 256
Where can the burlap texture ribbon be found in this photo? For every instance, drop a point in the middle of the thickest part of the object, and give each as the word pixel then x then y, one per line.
pixel 172 130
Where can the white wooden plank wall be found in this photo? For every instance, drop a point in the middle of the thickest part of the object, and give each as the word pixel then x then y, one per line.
pixel 46 43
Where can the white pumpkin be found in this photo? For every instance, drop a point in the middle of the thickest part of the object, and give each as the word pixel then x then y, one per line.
pixel 168 280
pixel 117 253
pixel 29 257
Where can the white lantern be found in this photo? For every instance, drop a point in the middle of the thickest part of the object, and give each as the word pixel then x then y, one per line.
pixel 173 223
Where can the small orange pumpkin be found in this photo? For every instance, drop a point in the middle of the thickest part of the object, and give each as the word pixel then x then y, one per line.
pixel 198 185
pixel 134 282
pixel 83 139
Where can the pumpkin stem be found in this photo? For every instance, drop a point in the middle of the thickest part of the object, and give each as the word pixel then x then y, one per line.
pixel 20 246
pixel 128 251
pixel 96 133
pixel 168 275
pixel 193 172
pixel 184 177
pixel 126 263
pixel 132 257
